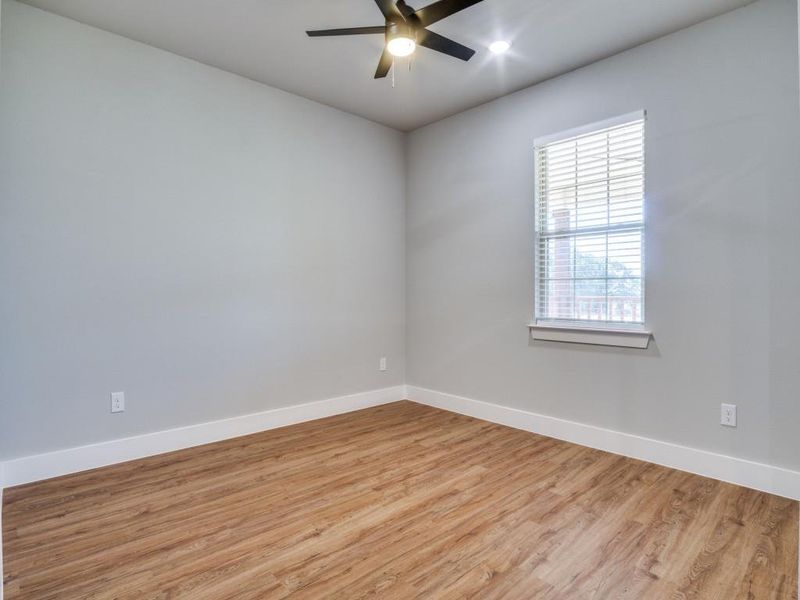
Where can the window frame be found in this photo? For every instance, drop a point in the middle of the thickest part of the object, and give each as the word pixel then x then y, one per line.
pixel 633 335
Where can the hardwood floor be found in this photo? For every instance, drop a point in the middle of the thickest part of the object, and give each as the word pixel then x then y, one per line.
pixel 398 501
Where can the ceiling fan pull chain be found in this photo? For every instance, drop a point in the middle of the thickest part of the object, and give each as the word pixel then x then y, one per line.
pixel 393 70
pixel 411 58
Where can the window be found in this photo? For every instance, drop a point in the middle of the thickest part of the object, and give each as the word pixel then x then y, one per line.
pixel 590 227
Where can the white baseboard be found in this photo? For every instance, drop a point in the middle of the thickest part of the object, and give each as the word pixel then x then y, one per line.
pixel 62 462
pixel 759 476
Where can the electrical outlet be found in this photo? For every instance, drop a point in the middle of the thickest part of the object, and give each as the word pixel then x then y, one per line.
pixel 382 364
pixel 728 415
pixel 117 402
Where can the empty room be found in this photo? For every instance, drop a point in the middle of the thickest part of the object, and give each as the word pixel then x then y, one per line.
pixel 433 299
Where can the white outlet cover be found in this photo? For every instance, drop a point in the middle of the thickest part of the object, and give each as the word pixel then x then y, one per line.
pixel 382 364
pixel 727 415
pixel 117 402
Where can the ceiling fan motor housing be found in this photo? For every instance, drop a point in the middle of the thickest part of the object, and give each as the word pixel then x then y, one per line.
pixel 399 30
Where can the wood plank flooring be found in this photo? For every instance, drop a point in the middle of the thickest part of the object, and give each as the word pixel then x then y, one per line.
pixel 399 501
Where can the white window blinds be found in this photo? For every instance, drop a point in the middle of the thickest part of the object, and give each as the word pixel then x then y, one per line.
pixel 590 226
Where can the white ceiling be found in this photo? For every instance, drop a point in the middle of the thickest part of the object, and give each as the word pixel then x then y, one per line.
pixel 265 40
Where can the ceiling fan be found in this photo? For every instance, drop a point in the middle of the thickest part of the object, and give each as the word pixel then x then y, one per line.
pixel 405 28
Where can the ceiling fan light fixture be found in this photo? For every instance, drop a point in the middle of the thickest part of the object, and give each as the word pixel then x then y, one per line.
pixel 401 46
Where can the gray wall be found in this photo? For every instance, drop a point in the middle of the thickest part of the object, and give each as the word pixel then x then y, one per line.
pixel 209 245
pixel 723 281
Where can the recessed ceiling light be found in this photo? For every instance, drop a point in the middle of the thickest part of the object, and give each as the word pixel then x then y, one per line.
pixel 499 47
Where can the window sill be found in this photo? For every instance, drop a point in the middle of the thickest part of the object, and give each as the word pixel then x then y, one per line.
pixel 599 336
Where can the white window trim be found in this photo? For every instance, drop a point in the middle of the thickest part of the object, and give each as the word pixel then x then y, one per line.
pixel 636 115
pixel 635 336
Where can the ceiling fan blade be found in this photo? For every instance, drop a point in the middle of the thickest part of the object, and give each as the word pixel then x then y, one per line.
pixel 347 31
pixel 441 9
pixel 437 42
pixel 389 10
pixel 384 65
